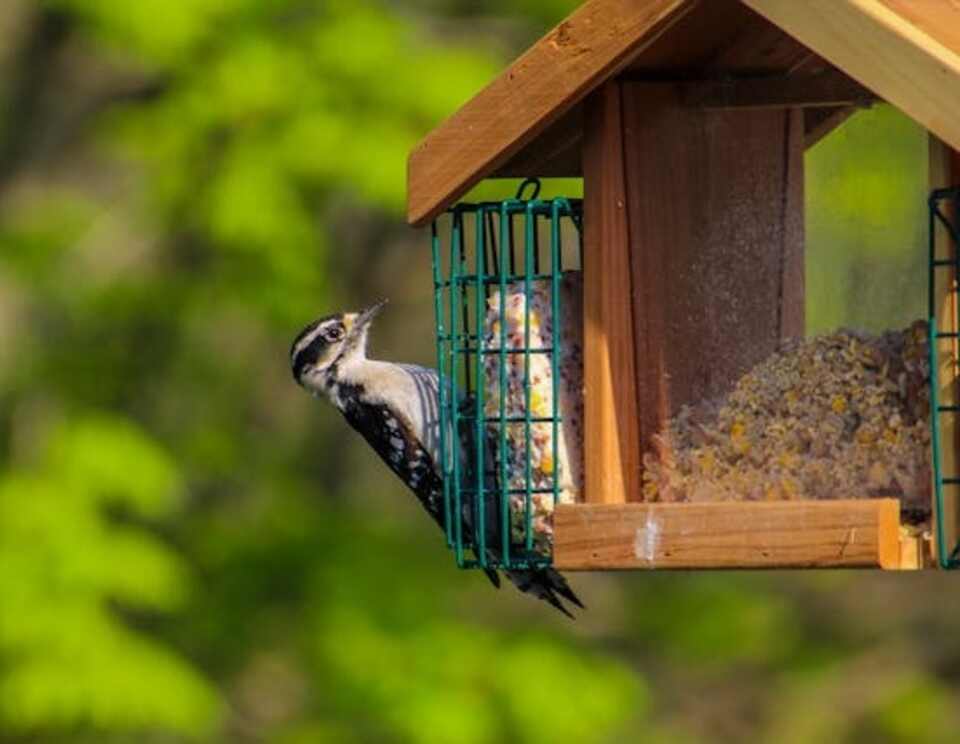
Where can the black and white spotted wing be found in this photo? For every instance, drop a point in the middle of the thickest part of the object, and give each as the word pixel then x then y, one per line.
pixel 463 447
pixel 392 439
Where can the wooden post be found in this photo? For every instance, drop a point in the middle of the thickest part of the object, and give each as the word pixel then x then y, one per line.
pixel 715 218
pixel 611 434
pixel 945 171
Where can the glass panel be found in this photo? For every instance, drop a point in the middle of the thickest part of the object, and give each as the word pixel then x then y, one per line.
pixel 866 196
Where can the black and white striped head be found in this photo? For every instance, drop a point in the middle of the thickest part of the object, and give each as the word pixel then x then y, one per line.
pixel 329 344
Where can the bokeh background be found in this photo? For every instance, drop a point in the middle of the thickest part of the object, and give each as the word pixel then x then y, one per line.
pixel 192 550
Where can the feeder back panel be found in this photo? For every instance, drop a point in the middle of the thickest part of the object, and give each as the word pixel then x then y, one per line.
pixel 708 223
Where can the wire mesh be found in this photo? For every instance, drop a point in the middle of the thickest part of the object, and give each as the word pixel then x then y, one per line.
pixel 944 219
pixel 481 253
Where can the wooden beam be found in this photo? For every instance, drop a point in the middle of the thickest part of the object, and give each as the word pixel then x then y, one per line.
pixel 945 172
pixel 554 154
pixel 863 533
pixel 590 46
pixel 611 413
pixel 784 91
pixel 938 18
pixel 818 123
pixel 760 47
pixel 895 48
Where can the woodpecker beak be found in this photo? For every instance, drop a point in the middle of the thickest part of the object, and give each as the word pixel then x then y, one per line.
pixel 357 325
pixel 365 316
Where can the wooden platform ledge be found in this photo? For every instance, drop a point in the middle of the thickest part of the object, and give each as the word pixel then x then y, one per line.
pixel 793 534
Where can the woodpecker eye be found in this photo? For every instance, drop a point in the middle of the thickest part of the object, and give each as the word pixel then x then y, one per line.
pixel 333 334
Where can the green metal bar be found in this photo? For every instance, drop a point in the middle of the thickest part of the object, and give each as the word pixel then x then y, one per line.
pixel 529 230
pixel 479 528
pixel 455 302
pixel 492 279
pixel 536 241
pixel 555 342
pixel 505 241
pixel 942 557
pixel 516 206
pixel 954 243
pixel 488 215
pixel 465 336
pixel 509 419
pixel 458 343
pixel 947 560
pixel 548 489
pixel 441 381
pixel 473 350
pixel 953 231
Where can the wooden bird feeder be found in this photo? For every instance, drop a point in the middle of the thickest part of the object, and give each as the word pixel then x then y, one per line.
pixel 687 121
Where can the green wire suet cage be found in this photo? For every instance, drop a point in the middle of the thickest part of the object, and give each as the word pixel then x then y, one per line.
pixel 482 251
pixel 944 216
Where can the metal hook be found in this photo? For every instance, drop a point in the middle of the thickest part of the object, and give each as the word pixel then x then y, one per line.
pixel 535 182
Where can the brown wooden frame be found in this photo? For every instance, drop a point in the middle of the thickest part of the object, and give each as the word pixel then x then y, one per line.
pixel 916 67
pixel 545 82
pixel 827 89
pixel 735 534
pixel 907 51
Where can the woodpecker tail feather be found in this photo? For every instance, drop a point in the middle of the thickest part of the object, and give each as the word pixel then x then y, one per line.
pixel 547 584
pixel 493 576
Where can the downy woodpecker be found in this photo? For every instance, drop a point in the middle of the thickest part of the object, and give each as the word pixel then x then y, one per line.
pixel 395 407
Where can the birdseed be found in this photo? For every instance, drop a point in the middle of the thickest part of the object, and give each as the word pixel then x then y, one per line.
pixel 838 416
pixel 549 460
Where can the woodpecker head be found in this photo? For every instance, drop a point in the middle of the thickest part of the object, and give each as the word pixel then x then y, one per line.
pixel 328 345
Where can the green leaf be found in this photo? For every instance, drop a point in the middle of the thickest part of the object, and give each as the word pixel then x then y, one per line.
pixel 70 660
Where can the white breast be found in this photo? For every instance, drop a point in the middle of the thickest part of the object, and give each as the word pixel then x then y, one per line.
pixel 411 392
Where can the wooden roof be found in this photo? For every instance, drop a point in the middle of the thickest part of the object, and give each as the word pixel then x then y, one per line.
pixel 528 121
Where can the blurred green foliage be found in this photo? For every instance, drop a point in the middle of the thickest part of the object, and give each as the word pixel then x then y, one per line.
pixel 866 224
pixel 191 549
pixel 72 659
